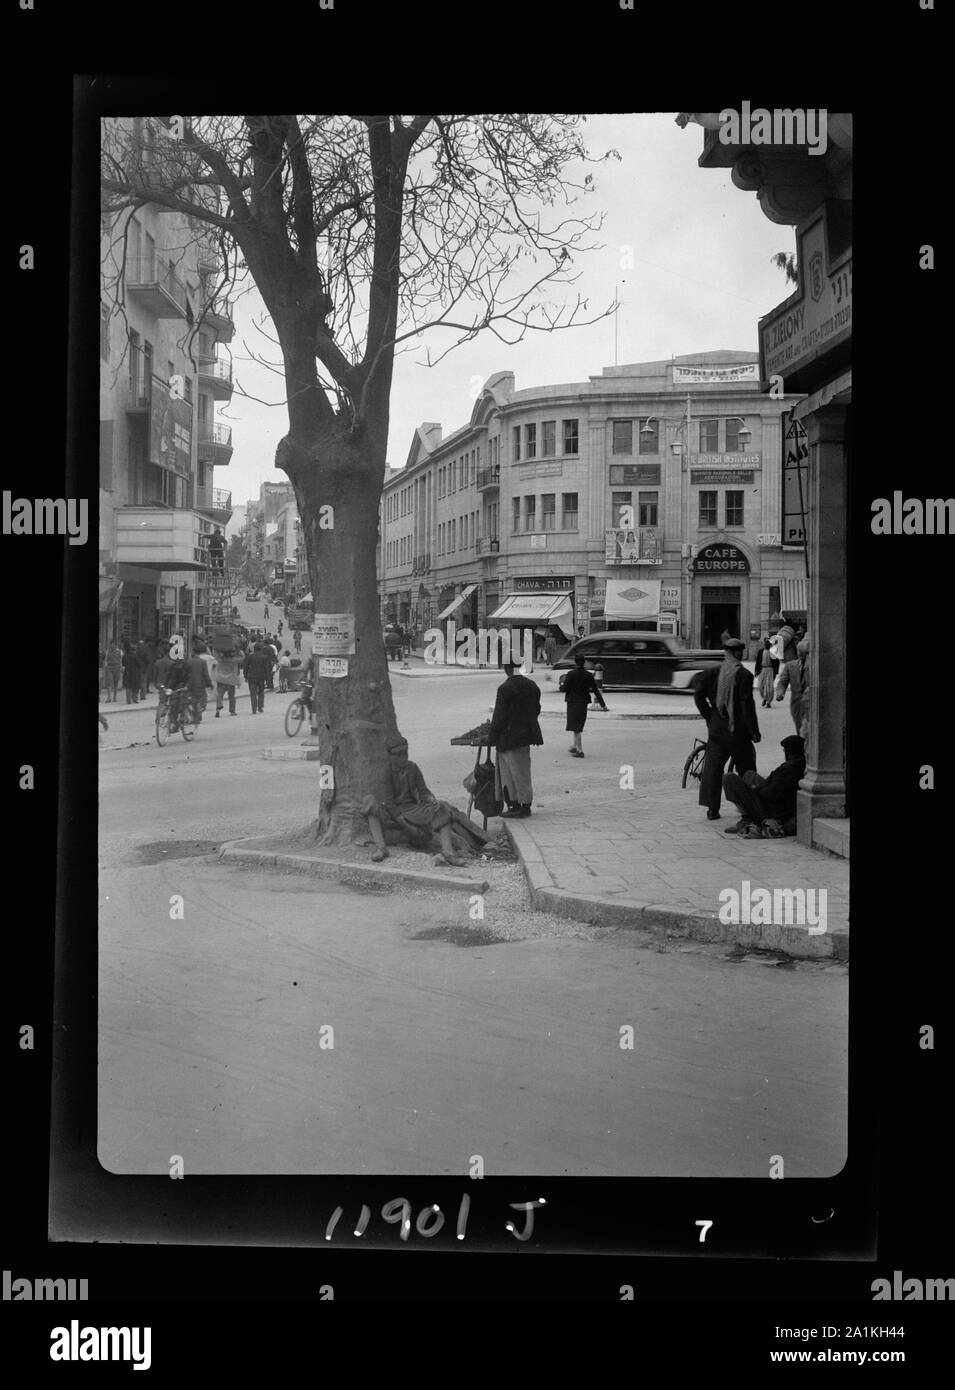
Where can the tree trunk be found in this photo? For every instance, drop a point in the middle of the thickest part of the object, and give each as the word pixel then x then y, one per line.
pixel 356 717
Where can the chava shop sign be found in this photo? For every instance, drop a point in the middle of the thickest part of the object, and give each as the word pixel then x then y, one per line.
pixel 818 317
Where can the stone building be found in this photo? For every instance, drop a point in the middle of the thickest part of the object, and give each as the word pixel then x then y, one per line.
pixel 648 496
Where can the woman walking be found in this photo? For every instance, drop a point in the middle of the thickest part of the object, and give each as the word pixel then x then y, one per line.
pixel 579 686
pixel 114 671
pixel 766 668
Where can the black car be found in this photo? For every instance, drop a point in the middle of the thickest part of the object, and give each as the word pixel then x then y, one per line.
pixel 634 660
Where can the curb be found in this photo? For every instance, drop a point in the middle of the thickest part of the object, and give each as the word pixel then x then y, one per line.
pixel 371 875
pixel 668 921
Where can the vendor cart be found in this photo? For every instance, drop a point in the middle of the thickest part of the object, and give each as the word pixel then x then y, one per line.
pixel 483 745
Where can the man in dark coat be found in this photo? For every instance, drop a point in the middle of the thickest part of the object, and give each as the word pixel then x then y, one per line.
pixel 768 801
pixel 514 729
pixel 724 697
pixel 579 687
pixel 256 667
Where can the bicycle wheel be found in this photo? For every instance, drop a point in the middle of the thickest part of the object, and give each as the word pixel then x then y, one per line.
pixel 187 720
pixel 693 767
pixel 162 725
pixel 687 767
pixel 294 717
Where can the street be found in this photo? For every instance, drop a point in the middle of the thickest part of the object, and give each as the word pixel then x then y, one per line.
pixel 215 1015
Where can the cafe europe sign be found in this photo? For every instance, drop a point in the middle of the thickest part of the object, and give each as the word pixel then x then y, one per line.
pixel 720 559
pixel 816 320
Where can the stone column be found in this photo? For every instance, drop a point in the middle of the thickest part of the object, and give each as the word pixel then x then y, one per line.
pixel 822 792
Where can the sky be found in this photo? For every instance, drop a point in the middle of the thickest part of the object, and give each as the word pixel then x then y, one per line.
pixel 700 279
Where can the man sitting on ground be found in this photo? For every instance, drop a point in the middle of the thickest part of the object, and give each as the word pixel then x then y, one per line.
pixel 767 805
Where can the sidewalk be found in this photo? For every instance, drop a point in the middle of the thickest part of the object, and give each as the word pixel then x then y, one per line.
pixel 650 858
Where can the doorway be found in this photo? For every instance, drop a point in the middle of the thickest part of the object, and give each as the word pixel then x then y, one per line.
pixel 719 613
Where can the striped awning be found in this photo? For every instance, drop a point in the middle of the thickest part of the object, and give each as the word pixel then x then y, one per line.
pixel 793 596
pixel 456 603
pixel 536 608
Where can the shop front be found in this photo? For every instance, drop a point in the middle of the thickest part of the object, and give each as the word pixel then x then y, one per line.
pixel 538 605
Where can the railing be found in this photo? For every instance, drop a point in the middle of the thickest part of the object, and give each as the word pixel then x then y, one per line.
pixel 219 371
pixel 153 272
pixel 221 499
pixel 421 564
pixel 214 433
pixel 489 477
pixel 487 545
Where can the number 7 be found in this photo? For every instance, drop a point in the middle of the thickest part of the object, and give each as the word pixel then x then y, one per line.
pixel 705 1226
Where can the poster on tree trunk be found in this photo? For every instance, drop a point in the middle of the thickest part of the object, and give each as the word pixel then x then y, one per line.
pixel 334 634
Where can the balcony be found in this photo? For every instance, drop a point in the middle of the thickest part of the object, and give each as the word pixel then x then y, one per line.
pixel 210 262
pixel 214 442
pixel 215 502
pixel 217 376
pixel 154 284
pixel 487 545
pixel 421 564
pixel 488 478
pixel 160 538
pixel 218 317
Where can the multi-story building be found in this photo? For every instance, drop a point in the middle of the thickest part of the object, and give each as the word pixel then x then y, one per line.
pixel 274 537
pixel 648 496
pixel 161 380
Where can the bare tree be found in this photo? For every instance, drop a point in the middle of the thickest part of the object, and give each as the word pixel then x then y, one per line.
pixel 361 233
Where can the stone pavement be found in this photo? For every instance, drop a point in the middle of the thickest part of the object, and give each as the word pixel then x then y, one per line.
pixel 652 859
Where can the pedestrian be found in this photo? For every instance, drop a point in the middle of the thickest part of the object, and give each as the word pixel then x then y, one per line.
pixel 393 644
pixel 579 688
pixel 515 728
pixel 285 663
pixel 791 671
pixel 114 671
pixel 145 668
pixel 255 668
pixel 765 673
pixel 297 640
pixel 265 613
pixel 228 679
pixel 270 649
pixel 204 654
pixel 767 805
pixel 802 648
pixel 280 627
pixel 724 697
pixel 132 676
pixel 550 647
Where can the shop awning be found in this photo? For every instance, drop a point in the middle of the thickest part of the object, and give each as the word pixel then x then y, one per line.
pixel 110 591
pixel 632 598
pixel 536 608
pixel 456 603
pixel 793 595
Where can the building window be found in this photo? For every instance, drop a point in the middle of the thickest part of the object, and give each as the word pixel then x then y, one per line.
pixel 530 441
pixel 516 441
pixel 530 513
pixel 516 524
pixel 104 332
pixel 733 443
pixel 623 436
pixel 708 501
pixel 649 436
pixel 648 503
pixel 549 438
pixel 569 511
pixel 734 509
pixel 548 510
pixel 709 436
pixel 619 500
pixel 570 437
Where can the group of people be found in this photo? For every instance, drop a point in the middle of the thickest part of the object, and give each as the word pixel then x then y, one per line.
pixel 724 698
pixel 129 666
pixel 398 641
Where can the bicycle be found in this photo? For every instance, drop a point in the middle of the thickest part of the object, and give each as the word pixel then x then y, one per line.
pixel 176 714
pixel 693 767
pixel 298 709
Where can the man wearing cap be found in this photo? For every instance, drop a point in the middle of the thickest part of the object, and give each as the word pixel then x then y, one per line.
pixel 767 803
pixel 724 697
pixel 514 729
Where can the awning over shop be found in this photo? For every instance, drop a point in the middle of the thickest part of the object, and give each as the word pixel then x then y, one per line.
pixel 110 591
pixel 456 603
pixel 536 608
pixel 306 598
pixel 632 598
pixel 793 595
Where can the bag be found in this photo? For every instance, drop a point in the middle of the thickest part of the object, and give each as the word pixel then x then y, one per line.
pixel 485 800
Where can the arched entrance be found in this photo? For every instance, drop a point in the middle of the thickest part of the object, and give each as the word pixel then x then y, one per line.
pixel 721 575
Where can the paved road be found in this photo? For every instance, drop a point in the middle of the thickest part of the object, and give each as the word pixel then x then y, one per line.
pixel 210 1025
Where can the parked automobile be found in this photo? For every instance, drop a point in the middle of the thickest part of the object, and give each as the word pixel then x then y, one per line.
pixel 634 660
